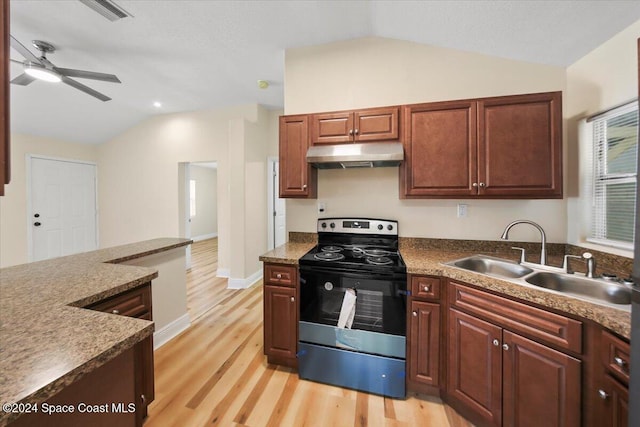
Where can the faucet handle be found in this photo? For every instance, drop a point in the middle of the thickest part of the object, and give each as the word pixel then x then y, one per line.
pixel 565 262
pixel 587 255
pixel 522 253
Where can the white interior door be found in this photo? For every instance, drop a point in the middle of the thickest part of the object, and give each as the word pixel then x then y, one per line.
pixel 63 208
pixel 279 212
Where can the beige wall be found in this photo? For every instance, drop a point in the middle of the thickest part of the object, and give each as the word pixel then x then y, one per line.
pixel 13 206
pixel 139 179
pixel 205 223
pixel 376 72
pixel 605 77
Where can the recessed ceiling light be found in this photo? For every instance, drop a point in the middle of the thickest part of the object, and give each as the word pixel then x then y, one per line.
pixel 157 104
pixel 263 84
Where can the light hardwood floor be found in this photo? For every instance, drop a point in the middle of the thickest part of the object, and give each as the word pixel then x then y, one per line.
pixel 214 373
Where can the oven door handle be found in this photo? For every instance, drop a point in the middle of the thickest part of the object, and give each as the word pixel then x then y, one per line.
pixel 352 274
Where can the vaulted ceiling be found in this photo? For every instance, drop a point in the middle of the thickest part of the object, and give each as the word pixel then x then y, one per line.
pixel 193 55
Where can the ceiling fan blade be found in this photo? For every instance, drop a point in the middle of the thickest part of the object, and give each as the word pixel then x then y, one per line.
pixel 70 72
pixel 24 51
pixel 85 89
pixel 23 79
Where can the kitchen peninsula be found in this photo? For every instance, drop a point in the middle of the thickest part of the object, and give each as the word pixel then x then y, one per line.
pixel 54 331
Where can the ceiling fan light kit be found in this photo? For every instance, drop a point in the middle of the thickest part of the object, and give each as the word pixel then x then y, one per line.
pixel 42 69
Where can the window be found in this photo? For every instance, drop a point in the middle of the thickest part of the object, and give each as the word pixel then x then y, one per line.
pixel 192 198
pixel 615 150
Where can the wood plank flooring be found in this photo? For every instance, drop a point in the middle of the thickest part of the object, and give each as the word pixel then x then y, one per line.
pixel 214 373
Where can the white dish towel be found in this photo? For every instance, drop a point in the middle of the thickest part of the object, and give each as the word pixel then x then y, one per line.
pixel 348 309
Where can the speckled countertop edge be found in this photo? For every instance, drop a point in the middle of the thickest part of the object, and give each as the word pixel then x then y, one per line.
pixel 423 261
pixel 47 341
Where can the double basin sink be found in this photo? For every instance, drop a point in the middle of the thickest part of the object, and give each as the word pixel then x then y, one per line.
pixel 600 290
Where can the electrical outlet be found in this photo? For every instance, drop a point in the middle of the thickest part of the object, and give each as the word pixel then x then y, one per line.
pixel 462 210
pixel 321 207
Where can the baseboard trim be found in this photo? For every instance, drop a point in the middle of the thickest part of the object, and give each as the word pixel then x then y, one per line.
pixel 222 272
pixel 170 331
pixel 204 237
pixel 244 283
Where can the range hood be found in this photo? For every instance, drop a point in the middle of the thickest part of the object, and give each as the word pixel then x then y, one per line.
pixel 368 155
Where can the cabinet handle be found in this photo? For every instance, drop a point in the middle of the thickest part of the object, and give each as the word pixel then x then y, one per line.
pixel 482 184
pixel 278 276
pixel 603 394
pixel 293 299
pixel 357 131
pixel 304 186
pixel 115 311
pixel 350 131
pixel 621 363
pixel 505 347
pixel 475 184
pixel 415 313
pixel 496 343
pixel 143 398
pixel 427 288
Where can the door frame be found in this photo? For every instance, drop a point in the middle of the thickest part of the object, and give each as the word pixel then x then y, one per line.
pixel 29 171
pixel 271 164
pixel 187 213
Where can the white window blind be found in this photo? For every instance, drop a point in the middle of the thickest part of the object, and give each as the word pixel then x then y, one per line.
pixel 615 150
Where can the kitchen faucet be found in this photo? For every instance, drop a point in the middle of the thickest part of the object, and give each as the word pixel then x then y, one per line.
pixel 543 237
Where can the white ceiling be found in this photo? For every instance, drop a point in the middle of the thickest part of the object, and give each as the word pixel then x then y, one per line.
pixel 193 55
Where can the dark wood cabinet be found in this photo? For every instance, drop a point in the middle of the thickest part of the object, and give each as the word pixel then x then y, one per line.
pixel 297 178
pixel 615 399
pixel 499 377
pixel 424 348
pixel 502 147
pixel 5 137
pixel 281 314
pixel 611 405
pixel 367 125
pixel 136 303
pixel 539 383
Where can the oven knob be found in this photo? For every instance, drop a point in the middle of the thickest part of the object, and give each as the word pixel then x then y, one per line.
pixel 380 227
pixel 332 225
pixel 328 286
pixel 389 227
pixel 324 225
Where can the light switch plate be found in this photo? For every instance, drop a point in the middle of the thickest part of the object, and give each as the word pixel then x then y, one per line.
pixel 321 207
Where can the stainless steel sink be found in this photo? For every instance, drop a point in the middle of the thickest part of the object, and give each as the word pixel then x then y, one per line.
pixel 611 292
pixel 492 266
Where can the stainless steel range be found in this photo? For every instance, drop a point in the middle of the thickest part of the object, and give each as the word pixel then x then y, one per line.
pixel 353 290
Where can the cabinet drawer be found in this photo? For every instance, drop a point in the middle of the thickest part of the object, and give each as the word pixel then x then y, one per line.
pixel 277 274
pixel 425 287
pixel 134 303
pixel 518 317
pixel 615 356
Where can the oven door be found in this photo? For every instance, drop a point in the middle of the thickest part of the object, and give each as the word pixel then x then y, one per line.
pixel 379 322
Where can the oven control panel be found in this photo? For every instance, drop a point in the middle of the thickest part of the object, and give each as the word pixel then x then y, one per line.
pixel 358 226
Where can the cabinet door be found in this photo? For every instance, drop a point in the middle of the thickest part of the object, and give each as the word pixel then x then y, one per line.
pixel 332 128
pixel 520 146
pixel 541 385
pixel 440 149
pixel 424 345
pixel 376 124
pixel 144 380
pixel 475 365
pixel 616 403
pixel 280 321
pixel 297 177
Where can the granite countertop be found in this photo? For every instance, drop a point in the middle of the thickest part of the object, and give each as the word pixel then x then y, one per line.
pixel 47 341
pixel 428 261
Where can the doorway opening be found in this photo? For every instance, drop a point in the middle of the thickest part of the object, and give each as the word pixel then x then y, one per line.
pixel 276 209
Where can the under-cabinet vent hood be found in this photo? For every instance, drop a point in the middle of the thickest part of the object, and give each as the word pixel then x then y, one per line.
pixel 368 155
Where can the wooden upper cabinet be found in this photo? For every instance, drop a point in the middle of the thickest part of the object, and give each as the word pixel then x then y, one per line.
pixel 5 160
pixel 440 150
pixel 502 147
pixel 520 146
pixel 297 177
pixel 344 127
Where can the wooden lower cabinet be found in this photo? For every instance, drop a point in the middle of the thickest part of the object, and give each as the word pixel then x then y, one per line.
pixel 424 343
pixel 507 380
pixel 615 398
pixel 280 324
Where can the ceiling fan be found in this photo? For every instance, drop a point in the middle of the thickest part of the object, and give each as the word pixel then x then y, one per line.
pixel 41 68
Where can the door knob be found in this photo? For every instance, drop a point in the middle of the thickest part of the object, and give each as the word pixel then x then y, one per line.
pixel 37 224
